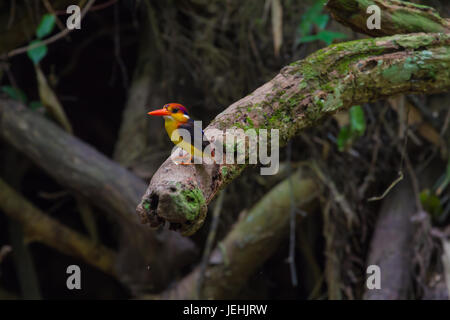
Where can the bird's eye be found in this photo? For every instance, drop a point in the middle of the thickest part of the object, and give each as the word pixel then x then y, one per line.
pixel 175 110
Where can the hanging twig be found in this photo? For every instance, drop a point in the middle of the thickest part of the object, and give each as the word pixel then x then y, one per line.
pixel 392 185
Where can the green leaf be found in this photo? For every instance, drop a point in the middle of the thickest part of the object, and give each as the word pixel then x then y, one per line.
pixel 329 36
pixel 357 120
pixel 46 25
pixel 344 138
pixel 15 93
pixel 35 105
pixel 431 203
pixel 38 53
pixel 321 20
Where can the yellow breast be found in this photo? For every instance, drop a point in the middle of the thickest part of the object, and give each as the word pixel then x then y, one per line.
pixel 175 137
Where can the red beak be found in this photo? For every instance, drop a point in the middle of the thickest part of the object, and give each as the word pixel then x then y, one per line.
pixel 160 112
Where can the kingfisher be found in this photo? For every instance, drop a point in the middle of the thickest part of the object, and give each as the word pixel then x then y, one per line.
pixel 176 117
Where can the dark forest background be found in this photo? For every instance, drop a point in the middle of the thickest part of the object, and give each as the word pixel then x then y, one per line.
pixel 133 56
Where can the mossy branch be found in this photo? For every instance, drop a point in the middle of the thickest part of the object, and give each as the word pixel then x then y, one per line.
pixel 397 17
pixel 40 227
pixel 300 96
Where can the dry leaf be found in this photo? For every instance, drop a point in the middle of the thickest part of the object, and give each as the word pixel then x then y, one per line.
pixel 342 118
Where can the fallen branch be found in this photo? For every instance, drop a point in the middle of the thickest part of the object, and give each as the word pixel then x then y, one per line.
pixel 304 93
pixel 395 17
pixel 252 241
pixel 81 168
pixel 40 227
pixel 390 248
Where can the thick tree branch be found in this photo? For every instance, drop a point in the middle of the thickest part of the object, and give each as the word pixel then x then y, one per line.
pixel 38 226
pixel 396 17
pixel 79 167
pixel 252 241
pixel 69 161
pixel 303 94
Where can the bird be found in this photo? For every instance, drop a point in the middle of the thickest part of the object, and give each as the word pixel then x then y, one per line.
pixel 176 117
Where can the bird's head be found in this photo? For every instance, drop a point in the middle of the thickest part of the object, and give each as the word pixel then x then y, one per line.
pixel 173 112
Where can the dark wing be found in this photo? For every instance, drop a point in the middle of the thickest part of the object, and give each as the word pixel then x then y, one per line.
pixel 196 133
